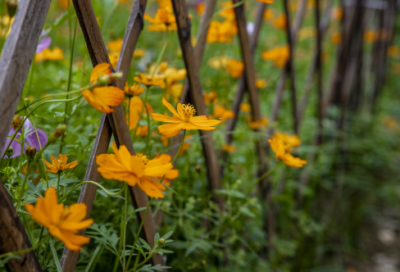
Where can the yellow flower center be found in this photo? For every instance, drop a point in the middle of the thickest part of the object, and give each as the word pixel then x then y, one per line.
pixel 188 111
pixel 143 157
pixel 61 167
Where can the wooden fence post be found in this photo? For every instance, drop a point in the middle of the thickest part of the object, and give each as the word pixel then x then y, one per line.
pixel 116 120
pixel 196 97
pixel 15 62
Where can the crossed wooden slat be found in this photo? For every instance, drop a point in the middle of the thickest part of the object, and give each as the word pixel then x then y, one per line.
pixel 17 56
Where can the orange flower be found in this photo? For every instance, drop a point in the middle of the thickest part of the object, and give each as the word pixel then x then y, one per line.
pixel 150 80
pixel 115 46
pixel 222 113
pixel 183 120
pixel 48 54
pixel 370 36
pixel 103 98
pixel 164 141
pixel 261 83
pixel 63 223
pixel 393 51
pixel 245 107
pixel 172 174
pixel 337 13
pixel 164 20
pixel 59 164
pixel 134 170
pixel 258 124
pixel 221 32
pixel 210 97
pixel 133 90
pixel 228 148
pixel 234 68
pixel 200 8
pixel 113 56
pixel 278 55
pixel 336 38
pixel 227 11
pixel 136 107
pixel 266 1
pixel 142 131
pixel 281 144
pixel 64 3
pixel 280 22
pixel 268 14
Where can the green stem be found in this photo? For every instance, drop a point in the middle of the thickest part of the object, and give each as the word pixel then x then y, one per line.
pixel 138 232
pixel 144 261
pixel 71 59
pixel 267 173
pixel 10 254
pixel 125 223
pixel 58 183
pixel 147 152
pixel 180 147
pixel 21 193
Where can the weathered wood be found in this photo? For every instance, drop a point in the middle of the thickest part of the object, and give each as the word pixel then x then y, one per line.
pixel 319 71
pixel 16 58
pixel 290 68
pixel 14 238
pixel 196 97
pixel 231 123
pixel 281 84
pixel 310 77
pixel 15 62
pixel 200 45
pixel 114 122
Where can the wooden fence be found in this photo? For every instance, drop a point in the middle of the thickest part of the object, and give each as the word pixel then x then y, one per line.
pixel 20 48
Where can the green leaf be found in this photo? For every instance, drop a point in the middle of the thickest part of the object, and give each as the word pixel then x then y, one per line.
pixel 95 258
pixel 55 257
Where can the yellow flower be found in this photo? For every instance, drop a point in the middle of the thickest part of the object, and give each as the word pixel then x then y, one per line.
pixel 113 56
pixel 142 131
pixel 210 97
pixel 59 164
pixel 281 144
pixel 228 148
pixel 182 120
pixel 307 32
pixel 172 174
pixel 278 55
pixel 165 4
pixel 222 113
pixel 63 223
pixel 280 22
pixel 103 98
pixel 133 90
pixel 164 141
pixel 245 107
pixel 48 54
pixel 134 170
pixel 150 80
pixel 164 20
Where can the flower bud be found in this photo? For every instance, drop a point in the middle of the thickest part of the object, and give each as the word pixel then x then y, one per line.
pixel 161 242
pixel 110 78
pixel 16 122
pixel 30 152
pixel 10 152
pixel 12 6
pixel 60 130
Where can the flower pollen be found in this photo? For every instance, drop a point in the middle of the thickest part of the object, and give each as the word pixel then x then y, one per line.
pixel 143 157
pixel 188 111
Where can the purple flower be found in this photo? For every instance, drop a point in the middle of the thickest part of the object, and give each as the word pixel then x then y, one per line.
pixel 43 43
pixel 30 138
